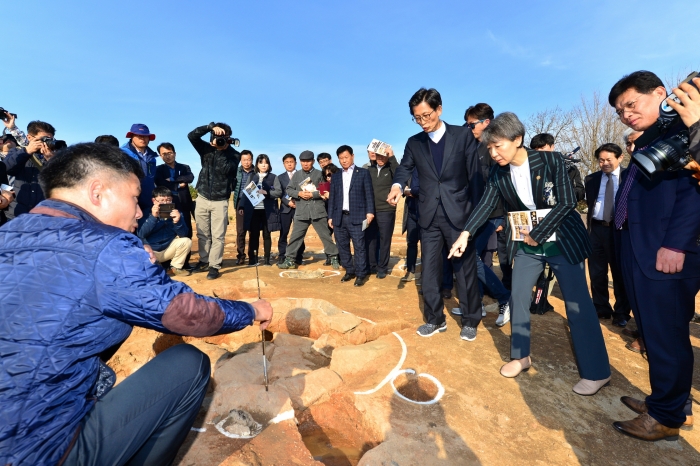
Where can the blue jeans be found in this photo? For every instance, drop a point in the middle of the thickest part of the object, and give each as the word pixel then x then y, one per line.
pixel 486 276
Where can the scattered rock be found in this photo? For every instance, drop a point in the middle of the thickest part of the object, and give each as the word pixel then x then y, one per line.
pixel 285 339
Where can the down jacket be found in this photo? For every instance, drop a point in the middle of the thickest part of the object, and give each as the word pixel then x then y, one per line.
pixel 74 287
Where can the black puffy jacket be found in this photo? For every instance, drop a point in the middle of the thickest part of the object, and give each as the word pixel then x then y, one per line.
pixel 218 175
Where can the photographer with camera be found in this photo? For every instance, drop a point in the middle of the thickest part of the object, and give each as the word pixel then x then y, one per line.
pixel 689 111
pixel 214 184
pixel 25 164
pixel 12 135
pixel 657 225
pixel 165 231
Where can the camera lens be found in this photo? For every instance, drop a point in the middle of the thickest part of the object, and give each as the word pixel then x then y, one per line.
pixel 667 154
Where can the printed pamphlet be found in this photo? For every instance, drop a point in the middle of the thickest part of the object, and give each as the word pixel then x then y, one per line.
pixel 526 220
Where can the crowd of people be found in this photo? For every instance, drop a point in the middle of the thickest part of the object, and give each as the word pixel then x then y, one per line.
pixel 110 225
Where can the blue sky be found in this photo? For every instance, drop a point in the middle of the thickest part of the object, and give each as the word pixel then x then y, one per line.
pixel 289 76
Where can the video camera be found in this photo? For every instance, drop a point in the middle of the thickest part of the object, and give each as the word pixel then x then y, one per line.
pixel 51 143
pixel 4 117
pixel 670 150
pixel 569 159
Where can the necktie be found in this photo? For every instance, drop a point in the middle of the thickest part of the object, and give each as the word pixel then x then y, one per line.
pixel 608 200
pixel 621 211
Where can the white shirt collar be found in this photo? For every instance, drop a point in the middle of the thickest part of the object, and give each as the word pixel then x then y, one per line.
pixel 436 135
pixel 616 172
pixel 350 168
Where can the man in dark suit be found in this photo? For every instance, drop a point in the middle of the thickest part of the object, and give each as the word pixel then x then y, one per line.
pixel 601 188
pixel 451 184
pixel 351 202
pixel 287 209
pixel 176 177
pixel 658 225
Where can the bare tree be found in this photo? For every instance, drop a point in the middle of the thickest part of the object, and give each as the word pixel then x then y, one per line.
pixel 594 124
pixel 554 121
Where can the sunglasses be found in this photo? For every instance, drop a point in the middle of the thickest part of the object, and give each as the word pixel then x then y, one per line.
pixel 473 125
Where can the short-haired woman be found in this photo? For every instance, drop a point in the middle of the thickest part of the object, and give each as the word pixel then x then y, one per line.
pixel 529 180
pixel 264 216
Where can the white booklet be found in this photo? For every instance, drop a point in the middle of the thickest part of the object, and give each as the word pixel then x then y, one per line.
pixel 365 224
pixel 527 220
pixel 307 185
pixel 251 192
pixel 378 147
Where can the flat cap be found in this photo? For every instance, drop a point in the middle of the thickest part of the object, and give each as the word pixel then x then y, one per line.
pixel 306 155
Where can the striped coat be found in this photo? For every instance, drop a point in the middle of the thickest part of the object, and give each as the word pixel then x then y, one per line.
pixel 572 238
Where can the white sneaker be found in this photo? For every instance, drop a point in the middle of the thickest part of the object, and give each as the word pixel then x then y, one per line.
pixel 503 315
pixel 456 311
pixel 483 310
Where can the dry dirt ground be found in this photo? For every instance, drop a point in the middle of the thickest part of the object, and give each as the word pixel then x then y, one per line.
pixel 482 418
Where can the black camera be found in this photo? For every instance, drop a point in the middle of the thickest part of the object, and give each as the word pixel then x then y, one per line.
pixel 221 141
pixel 50 142
pixel 669 152
pixel 3 117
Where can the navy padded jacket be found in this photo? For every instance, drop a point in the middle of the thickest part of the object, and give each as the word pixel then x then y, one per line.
pixel 72 288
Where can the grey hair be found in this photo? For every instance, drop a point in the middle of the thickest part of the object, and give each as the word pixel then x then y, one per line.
pixel 506 125
pixel 626 135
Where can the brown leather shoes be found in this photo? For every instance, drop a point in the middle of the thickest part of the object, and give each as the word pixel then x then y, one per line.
pixel 640 407
pixel 645 427
pixel 637 346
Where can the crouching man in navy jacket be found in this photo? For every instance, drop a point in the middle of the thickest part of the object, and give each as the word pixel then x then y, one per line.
pixel 80 281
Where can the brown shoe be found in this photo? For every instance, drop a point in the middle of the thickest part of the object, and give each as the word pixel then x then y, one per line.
pixel 637 346
pixel 645 427
pixel 630 333
pixel 640 407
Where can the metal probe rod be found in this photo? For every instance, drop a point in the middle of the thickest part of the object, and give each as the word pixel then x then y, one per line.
pixel 262 332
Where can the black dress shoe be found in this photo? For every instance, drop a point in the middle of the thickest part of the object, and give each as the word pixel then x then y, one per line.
pixel 359 281
pixel 381 275
pixel 347 277
pixel 373 271
pixel 240 261
pixel 603 315
pixel 446 294
pixel 213 273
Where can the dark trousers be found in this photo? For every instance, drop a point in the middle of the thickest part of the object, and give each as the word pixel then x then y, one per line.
pixel 301 226
pixel 145 419
pixel 412 239
pixel 506 268
pixel 381 229
pixel 586 336
pixel 258 223
pixel 439 234
pixel 286 227
pixel 345 232
pixel 662 310
pixel 604 255
pixel 240 235
pixel 487 278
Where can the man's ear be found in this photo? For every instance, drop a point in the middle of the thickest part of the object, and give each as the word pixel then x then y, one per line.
pixel 660 92
pixel 96 190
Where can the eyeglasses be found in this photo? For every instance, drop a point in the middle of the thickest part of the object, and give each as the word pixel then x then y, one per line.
pixel 421 118
pixel 628 106
pixel 329 175
pixel 473 124
pixel 167 154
